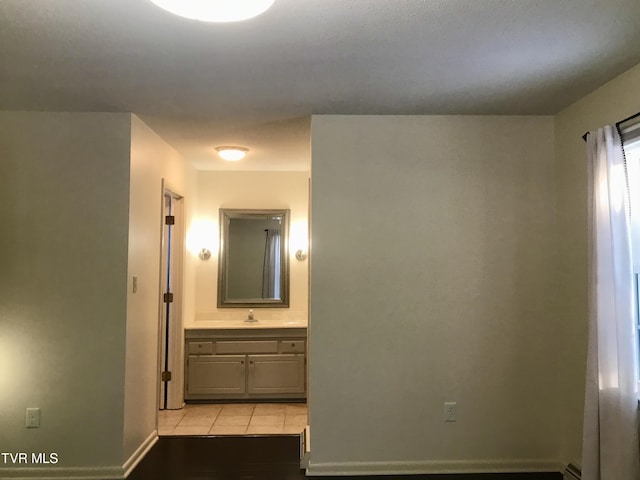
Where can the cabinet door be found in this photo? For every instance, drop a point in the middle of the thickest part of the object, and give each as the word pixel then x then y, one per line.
pixel 216 374
pixel 276 374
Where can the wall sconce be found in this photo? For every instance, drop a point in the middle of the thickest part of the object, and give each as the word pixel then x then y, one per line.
pixel 204 254
pixel 301 255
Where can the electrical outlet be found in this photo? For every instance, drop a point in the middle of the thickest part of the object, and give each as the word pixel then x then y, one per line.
pixel 33 418
pixel 449 411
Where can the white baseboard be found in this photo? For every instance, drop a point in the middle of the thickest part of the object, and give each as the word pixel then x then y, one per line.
pixel 305 448
pixel 53 473
pixel 139 454
pixel 432 467
pixel 82 473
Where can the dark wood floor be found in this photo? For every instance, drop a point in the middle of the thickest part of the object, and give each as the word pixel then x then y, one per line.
pixel 257 458
pixel 222 458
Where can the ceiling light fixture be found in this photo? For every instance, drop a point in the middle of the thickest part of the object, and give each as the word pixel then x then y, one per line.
pixel 215 10
pixel 232 154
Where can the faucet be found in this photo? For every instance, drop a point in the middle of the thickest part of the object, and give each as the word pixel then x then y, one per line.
pixel 250 317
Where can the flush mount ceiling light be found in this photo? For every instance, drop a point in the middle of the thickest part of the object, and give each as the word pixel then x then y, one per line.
pixel 215 10
pixel 232 154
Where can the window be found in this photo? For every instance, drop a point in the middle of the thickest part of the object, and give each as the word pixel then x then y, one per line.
pixel 631 141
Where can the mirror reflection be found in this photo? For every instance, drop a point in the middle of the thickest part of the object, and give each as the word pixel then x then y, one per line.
pixel 253 266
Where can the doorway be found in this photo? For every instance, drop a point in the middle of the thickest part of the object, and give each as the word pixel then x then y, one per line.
pixel 237 417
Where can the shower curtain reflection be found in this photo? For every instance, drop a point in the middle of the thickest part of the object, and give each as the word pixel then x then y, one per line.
pixel 271 265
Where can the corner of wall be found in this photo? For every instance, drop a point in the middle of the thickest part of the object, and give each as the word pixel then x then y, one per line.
pixel 615 100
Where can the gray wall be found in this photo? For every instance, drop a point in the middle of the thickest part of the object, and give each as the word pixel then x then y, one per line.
pixel 432 280
pixel 63 248
pixel 80 216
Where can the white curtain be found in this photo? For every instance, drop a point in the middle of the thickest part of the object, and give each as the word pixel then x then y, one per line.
pixel 271 266
pixel 610 434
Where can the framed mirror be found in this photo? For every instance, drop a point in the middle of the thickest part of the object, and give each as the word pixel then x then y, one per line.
pixel 253 267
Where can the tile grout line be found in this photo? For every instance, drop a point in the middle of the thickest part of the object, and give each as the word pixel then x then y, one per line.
pixel 281 427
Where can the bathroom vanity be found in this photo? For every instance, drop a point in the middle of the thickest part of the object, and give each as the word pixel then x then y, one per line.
pixel 246 361
pixel 263 356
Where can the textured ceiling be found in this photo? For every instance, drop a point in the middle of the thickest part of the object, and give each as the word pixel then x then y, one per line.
pixel 255 83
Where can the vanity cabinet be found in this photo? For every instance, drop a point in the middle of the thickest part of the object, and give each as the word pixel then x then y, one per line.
pixel 240 364
pixel 275 374
pixel 216 375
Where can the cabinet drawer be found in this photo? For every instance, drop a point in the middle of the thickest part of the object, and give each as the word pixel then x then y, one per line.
pixel 195 348
pixel 255 346
pixel 292 346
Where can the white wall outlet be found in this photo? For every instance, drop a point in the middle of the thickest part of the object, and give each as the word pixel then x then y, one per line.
pixel 33 418
pixel 450 411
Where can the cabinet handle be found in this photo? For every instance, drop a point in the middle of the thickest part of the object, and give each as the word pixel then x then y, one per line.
pixel 250 362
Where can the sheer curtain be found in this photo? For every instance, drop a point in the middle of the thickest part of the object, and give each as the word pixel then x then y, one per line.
pixel 271 266
pixel 610 434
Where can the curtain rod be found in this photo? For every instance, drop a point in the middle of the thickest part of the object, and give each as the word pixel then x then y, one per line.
pixel 584 137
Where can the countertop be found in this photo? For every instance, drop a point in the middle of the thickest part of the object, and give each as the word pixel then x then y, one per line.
pixel 240 324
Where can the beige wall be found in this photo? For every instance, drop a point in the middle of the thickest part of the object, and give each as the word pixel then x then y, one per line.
pixel 609 104
pixel 152 160
pixel 432 280
pixel 249 190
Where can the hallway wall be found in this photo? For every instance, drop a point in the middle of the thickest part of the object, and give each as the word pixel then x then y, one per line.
pixel 81 215
pixel 63 248
pixel 152 160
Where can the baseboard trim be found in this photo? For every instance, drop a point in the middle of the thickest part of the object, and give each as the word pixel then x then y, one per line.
pixel 139 454
pixel 83 473
pixel 433 467
pixel 52 473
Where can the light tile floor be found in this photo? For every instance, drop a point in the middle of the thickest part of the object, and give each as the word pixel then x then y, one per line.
pixel 234 419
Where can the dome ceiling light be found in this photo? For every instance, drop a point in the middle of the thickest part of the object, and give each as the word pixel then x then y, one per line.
pixel 215 10
pixel 232 154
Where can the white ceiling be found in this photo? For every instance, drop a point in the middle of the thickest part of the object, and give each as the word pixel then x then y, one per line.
pixel 255 83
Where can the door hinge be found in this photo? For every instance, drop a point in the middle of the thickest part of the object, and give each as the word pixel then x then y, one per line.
pixel 167 297
pixel 166 376
pixel 170 220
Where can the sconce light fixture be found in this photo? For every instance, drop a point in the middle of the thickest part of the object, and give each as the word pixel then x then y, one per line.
pixel 205 254
pixel 301 255
pixel 232 154
pixel 215 10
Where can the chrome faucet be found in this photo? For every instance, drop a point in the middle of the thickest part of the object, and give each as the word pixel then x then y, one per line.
pixel 250 317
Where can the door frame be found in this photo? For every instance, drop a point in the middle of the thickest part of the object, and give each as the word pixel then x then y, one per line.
pixel 175 343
